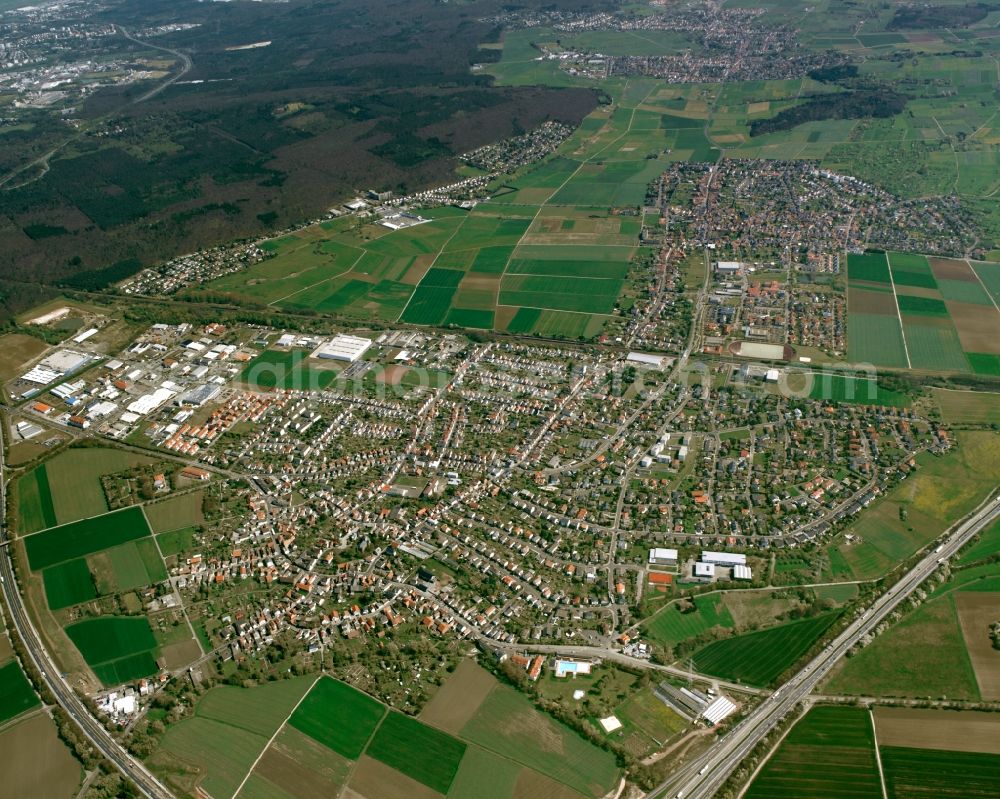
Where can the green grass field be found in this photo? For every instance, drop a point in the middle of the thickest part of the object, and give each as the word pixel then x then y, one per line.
pixel 918 773
pixel 229 731
pixel 338 716
pixel 508 724
pixel 68 487
pixel 176 513
pixel 922 655
pixel 72 540
pixel 484 775
pixel 987 545
pixel 868 268
pixel 670 626
pixel 862 391
pixel 943 489
pixel 16 693
pixel 429 756
pixel 760 657
pixel 830 753
pixel 35 508
pixel 68 583
pixel 118 648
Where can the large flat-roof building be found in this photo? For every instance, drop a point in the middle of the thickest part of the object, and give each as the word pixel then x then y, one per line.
pixel 724 558
pixel 663 557
pixel 343 348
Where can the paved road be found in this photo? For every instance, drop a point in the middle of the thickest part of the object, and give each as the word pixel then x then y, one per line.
pixel 185 60
pixel 702 778
pixel 148 784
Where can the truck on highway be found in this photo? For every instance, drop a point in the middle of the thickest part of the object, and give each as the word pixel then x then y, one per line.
pixel 939 547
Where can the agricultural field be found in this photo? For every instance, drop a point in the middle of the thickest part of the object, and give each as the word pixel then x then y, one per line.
pixel 943 489
pixel 17 350
pixel 924 654
pixel 671 626
pixel 304 743
pixel 73 540
pixel 16 693
pixel 506 723
pixel 830 752
pixel 176 513
pixel 457 700
pixel 860 390
pixel 68 487
pixel 934 314
pixel 951 730
pixel 338 716
pixel 295 766
pixel 118 648
pixel 427 755
pixel 915 773
pixel 968 407
pixel 36 763
pixel 758 658
pixel 230 729
pixel 548 255
pixel 69 583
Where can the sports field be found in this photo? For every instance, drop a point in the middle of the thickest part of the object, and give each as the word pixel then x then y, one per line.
pixel 830 752
pixel 118 648
pixel 936 314
pixel 758 658
pixel 72 540
pixel 16 693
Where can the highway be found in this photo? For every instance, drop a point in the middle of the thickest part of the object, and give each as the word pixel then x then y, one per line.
pixel 102 740
pixel 703 777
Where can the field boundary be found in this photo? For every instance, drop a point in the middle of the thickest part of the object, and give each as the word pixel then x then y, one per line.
pixel 274 735
pixel 878 756
pixel 899 316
